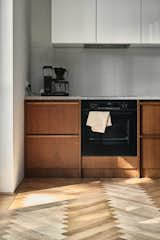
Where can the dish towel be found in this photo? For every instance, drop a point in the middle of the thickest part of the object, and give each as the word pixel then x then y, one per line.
pixel 98 121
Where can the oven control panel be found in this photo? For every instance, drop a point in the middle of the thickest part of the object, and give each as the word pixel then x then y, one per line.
pixel 105 105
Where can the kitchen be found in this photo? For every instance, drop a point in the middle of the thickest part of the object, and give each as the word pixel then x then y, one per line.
pixel 109 54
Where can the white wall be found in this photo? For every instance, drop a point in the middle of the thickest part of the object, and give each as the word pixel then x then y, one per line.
pixel 42 52
pixel 20 75
pixel 6 96
pixel 127 72
pixel 92 72
pixel 13 73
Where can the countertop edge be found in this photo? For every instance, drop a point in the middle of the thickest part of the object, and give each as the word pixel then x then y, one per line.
pixel 79 98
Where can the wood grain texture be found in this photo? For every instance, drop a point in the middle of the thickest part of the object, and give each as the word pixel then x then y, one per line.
pixel 90 216
pixel 151 152
pixel 83 209
pixel 109 173
pixel 53 172
pixel 137 216
pixel 152 187
pixel 150 118
pixel 150 139
pixel 151 172
pixel 53 139
pixel 109 162
pixel 52 117
pixel 46 222
pixel 53 151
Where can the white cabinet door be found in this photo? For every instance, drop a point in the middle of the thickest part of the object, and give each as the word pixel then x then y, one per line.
pixel 150 21
pixel 118 21
pixel 73 21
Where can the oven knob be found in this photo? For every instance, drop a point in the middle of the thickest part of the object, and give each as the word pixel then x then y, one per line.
pixel 124 106
pixel 93 106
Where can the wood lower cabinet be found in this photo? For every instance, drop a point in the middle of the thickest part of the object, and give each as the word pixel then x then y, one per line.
pixel 150 139
pixel 52 117
pixel 151 153
pixel 151 157
pixel 150 118
pixel 52 139
pixel 53 152
pixel 53 143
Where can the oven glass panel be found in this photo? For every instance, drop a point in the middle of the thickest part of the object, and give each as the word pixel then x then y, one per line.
pixel 118 140
pixel 117 134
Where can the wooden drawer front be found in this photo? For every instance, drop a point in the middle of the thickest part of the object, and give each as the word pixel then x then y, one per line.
pixel 150 119
pixel 150 153
pixel 52 152
pixel 52 117
pixel 109 162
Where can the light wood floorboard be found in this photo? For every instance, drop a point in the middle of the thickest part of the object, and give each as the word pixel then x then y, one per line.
pixel 82 209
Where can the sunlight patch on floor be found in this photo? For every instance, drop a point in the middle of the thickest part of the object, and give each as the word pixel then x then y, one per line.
pixel 33 199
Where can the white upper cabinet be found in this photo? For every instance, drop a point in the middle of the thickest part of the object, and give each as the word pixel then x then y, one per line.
pixel 106 21
pixel 151 21
pixel 118 21
pixel 73 21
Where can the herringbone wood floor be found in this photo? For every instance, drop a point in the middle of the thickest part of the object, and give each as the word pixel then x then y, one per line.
pixel 75 209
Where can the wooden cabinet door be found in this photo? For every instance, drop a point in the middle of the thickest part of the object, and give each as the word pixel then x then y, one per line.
pixel 150 21
pixel 73 21
pixel 118 21
pixel 52 152
pixel 151 157
pixel 150 119
pixel 52 117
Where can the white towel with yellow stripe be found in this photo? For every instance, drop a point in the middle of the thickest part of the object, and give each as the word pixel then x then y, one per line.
pixel 98 121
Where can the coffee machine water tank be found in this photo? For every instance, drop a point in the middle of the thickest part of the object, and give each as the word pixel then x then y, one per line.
pixel 48 78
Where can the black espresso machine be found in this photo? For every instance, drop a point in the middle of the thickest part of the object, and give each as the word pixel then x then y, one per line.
pixel 57 86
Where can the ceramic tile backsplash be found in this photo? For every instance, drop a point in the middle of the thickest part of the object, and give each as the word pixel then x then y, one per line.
pixel 93 72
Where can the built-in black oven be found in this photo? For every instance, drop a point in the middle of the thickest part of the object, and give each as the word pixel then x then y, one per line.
pixel 118 140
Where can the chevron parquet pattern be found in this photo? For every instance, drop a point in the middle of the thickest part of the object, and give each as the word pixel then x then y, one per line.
pixel 112 209
pixel 138 217
pixel 152 187
pixel 35 223
pixel 90 217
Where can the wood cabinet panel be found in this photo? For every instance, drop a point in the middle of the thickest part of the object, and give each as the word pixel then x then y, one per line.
pixel 54 152
pixel 151 153
pixel 52 117
pixel 54 172
pixel 151 173
pixel 110 173
pixel 110 162
pixel 150 119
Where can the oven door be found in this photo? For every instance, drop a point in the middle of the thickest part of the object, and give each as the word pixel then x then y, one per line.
pixel 118 140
